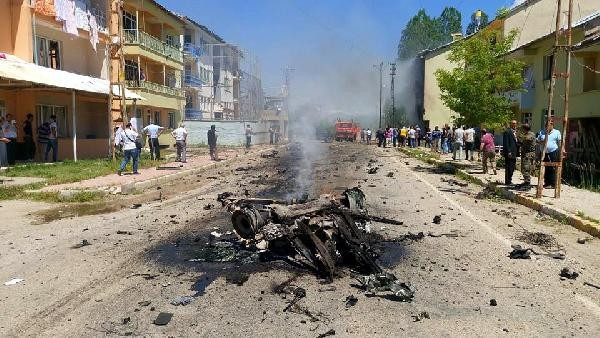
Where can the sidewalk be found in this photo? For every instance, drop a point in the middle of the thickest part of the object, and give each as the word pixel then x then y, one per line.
pixel 197 159
pixel 572 204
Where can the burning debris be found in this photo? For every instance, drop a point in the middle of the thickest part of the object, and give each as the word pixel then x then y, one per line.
pixel 322 235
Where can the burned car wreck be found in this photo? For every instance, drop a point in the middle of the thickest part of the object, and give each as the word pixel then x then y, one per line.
pixel 324 235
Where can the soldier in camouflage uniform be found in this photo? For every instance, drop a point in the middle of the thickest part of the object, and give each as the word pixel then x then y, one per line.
pixel 527 142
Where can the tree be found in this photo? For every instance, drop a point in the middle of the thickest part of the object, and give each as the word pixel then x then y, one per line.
pixel 424 32
pixel 477 23
pixel 450 23
pixel 475 88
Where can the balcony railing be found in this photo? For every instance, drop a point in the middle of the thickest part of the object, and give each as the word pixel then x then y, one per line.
pixel 193 81
pixel 137 37
pixel 193 50
pixel 155 87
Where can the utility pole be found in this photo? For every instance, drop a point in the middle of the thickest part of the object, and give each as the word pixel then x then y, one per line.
pixel 380 66
pixel 393 74
pixel 567 48
pixel 287 74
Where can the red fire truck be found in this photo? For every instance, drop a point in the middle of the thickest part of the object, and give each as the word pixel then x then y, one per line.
pixel 346 130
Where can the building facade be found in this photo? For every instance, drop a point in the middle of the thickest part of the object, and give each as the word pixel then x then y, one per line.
pixel 71 44
pixel 154 63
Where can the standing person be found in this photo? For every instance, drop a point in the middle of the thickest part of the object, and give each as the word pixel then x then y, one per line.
pixel 10 132
pixel 418 135
pixel 388 136
pixel 403 134
pixel 3 142
pixel 379 135
pixel 488 150
pixel 28 138
pixel 412 134
pixel 271 134
pixel 510 150
pixel 180 135
pixel 457 145
pixel 469 143
pixel 153 131
pixel 444 141
pixel 212 143
pixel 436 137
pixel 52 139
pixel 248 133
pixel 130 150
pixel 368 135
pixel 527 142
pixel 552 153
pixel 395 136
pixel 362 135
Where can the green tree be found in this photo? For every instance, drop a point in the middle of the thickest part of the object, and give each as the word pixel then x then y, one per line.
pixel 483 73
pixel 424 32
pixel 477 23
pixel 450 22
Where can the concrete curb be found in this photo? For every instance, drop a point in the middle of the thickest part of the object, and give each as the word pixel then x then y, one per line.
pixel 132 187
pixel 532 203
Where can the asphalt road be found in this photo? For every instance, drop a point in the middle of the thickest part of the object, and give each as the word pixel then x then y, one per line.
pixel 119 283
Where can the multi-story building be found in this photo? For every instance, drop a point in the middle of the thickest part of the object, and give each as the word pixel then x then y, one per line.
pixel 55 63
pixel 154 62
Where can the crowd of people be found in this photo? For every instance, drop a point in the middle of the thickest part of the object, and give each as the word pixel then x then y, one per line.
pixel 468 140
pixel 11 150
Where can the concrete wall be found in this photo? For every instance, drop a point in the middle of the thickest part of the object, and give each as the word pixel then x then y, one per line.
pixel 16 28
pixel 229 132
pixel 434 109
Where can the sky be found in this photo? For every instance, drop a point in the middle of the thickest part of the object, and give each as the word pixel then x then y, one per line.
pixel 331 44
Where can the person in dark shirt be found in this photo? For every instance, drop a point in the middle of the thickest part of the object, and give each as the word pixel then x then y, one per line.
pixel 212 143
pixel 28 138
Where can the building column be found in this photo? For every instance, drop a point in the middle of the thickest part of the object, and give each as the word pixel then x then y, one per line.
pixel 75 126
pixel 164 74
pixel 139 62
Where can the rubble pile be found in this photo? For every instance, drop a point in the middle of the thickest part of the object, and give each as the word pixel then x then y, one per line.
pixel 324 235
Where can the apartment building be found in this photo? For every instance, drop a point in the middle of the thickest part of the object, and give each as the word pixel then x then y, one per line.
pixel 154 62
pixel 54 62
pixel 199 78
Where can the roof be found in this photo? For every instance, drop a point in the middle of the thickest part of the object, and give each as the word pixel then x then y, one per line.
pixel 204 28
pixel 14 68
pixel 592 40
pixel 175 16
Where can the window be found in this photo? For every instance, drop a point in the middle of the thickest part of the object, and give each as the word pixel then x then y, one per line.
pixel 131 70
pixel 187 38
pixel 48 53
pixel 156 118
pixel 45 111
pixel 171 120
pixel 526 118
pixel 170 40
pixel 548 67
pixel 129 21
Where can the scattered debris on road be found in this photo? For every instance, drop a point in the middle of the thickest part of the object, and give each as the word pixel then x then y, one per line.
pixel 163 318
pixel 351 301
pixel 592 285
pixel 372 170
pixel 123 232
pixel 327 334
pixel 437 219
pixel 322 235
pixel 493 302
pixel 13 281
pixel 569 273
pixel 420 316
pixel 583 240
pixel 390 174
pixel 136 205
pixel 520 253
pixel 452 181
pixel 83 243
pixel 538 238
pixel 182 300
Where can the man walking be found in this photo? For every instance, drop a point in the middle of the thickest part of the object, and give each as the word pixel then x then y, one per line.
pixel 180 135
pixel 457 145
pixel 527 143
pixel 412 137
pixel 28 138
pixel 52 142
pixel 469 143
pixel 10 132
pixel 436 136
pixel 394 136
pixel 488 149
pixel 248 133
pixel 130 150
pixel 212 143
pixel 510 150
pixel 369 135
pixel 552 153
pixel 153 131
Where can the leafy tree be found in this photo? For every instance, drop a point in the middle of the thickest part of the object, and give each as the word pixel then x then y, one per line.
pixel 474 26
pixel 450 22
pixel 475 88
pixel 424 32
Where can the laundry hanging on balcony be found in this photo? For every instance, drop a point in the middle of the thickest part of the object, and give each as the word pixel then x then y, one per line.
pixel 82 14
pixel 45 7
pixel 94 32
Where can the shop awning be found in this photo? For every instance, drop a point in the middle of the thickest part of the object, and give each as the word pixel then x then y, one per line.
pixel 13 68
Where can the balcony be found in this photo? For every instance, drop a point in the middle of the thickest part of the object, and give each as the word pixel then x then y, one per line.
pixel 193 81
pixel 155 87
pixel 193 50
pixel 137 37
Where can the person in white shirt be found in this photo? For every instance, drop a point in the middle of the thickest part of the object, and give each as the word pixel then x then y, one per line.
pixel 10 132
pixel 368 136
pixel 153 131
pixel 469 143
pixel 412 138
pixel 457 147
pixel 180 135
pixel 130 150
